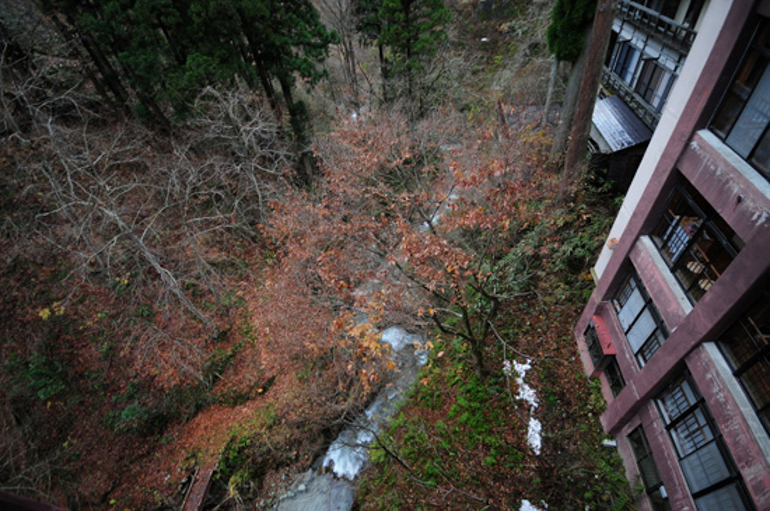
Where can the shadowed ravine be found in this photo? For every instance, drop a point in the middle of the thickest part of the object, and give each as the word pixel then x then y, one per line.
pixel 331 483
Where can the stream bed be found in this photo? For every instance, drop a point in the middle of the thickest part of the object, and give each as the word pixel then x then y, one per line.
pixel 331 483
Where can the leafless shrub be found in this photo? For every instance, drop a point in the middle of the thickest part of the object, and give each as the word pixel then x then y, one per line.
pixel 152 216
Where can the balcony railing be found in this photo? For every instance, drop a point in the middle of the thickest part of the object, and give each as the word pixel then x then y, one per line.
pixel 672 32
pixel 695 245
pixel 646 112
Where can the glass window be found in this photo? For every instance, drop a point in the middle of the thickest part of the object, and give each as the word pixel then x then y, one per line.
pixel 708 469
pixel 696 243
pixel 593 345
pixel 639 318
pixel 652 83
pixel 746 345
pixel 648 470
pixel 626 58
pixel 606 363
pixel 743 118
pixel 614 377
pixel 721 499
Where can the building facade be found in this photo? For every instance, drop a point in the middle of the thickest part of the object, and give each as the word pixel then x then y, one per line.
pixel 678 327
pixel 648 46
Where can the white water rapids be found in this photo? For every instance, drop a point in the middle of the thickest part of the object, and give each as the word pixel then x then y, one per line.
pixel 330 485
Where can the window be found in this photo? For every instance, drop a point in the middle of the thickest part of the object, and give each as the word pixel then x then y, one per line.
pixel 594 346
pixel 602 362
pixel 626 57
pixel 743 118
pixel 710 474
pixel 696 243
pixel 614 377
pixel 652 84
pixel 639 318
pixel 667 8
pixel 746 345
pixel 648 470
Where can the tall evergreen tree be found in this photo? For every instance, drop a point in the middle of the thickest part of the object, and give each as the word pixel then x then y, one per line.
pixel 166 51
pixel 408 34
pixel 413 29
pixel 369 27
pixel 287 39
pixel 571 22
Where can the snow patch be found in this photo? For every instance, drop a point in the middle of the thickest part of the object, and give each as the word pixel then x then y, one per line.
pixel 528 395
pixel 527 506
pixel 535 435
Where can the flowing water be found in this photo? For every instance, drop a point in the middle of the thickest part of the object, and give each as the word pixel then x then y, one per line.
pixel 330 485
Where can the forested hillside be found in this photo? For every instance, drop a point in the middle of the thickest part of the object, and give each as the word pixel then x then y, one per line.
pixel 212 209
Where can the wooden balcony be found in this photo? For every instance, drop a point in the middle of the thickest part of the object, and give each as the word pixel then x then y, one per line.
pixel 671 32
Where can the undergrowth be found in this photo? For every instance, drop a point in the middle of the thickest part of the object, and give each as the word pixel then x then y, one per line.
pixel 461 442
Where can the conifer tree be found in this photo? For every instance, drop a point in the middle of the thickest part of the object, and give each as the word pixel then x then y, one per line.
pixel 570 19
pixel 566 36
pixel 412 30
pixel 167 51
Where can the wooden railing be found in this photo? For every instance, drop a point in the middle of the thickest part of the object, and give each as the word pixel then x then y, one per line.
pixel 646 112
pixel 672 32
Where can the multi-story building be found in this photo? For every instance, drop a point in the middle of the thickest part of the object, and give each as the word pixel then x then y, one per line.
pixel 649 44
pixel 678 327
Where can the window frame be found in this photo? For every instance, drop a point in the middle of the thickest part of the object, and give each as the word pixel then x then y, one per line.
pixel 685 448
pixel 594 345
pixel 626 61
pixel 659 334
pixel 747 323
pixel 653 82
pixel 656 489
pixel 614 377
pixel 688 247
pixel 734 95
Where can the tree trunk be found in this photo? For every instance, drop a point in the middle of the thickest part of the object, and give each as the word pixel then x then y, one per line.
pixel 146 100
pixel 570 102
pixel 264 77
pixel 549 96
pixel 77 52
pixel 15 68
pixel 267 86
pixel 167 278
pixel 350 64
pixel 109 75
pixel 296 118
pixel 596 48
pixel 478 360
pixel 385 72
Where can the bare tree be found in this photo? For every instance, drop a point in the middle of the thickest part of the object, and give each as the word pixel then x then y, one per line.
pixel 339 14
pixel 148 214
